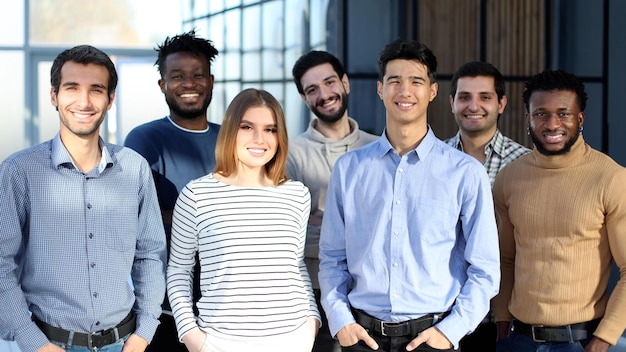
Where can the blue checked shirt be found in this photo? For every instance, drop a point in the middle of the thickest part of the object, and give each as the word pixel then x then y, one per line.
pixel 500 151
pixel 405 236
pixel 69 242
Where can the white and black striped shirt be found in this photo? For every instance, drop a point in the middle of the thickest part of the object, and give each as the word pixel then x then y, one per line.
pixel 251 247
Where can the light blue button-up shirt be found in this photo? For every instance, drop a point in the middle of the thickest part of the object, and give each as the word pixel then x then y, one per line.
pixel 405 236
pixel 69 242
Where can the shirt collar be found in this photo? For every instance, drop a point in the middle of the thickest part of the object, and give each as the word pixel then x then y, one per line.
pixel 61 157
pixel 422 149
pixel 496 144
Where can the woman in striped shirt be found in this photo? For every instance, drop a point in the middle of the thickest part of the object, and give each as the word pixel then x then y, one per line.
pixel 247 223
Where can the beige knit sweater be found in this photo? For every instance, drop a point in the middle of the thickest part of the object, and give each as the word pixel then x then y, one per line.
pixel 560 220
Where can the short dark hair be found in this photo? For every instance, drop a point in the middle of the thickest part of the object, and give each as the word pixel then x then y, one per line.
pixel 475 69
pixel 83 54
pixel 186 42
pixel 407 50
pixel 550 80
pixel 312 59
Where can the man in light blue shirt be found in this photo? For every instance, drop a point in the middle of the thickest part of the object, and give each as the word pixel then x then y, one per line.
pixel 409 251
pixel 80 217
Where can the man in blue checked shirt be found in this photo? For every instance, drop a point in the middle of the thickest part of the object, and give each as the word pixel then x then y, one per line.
pixel 409 255
pixel 80 217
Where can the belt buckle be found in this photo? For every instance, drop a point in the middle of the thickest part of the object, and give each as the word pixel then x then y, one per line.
pixel 384 325
pixel 90 342
pixel 532 330
pixel 382 328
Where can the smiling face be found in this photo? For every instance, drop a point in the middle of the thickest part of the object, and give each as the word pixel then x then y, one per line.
pixel 82 99
pixel 257 139
pixel 406 91
pixel 475 105
pixel 554 121
pixel 325 93
pixel 187 84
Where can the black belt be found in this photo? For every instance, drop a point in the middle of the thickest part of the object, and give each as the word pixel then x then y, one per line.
pixel 93 340
pixel 405 328
pixel 566 333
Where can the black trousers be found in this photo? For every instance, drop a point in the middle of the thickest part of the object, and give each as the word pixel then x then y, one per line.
pixel 390 344
pixel 166 338
pixel 324 342
pixel 483 339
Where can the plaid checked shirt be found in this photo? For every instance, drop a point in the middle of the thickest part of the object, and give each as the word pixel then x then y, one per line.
pixel 500 151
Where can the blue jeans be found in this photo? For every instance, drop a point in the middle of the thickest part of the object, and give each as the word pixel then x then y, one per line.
pixel 514 342
pixel 114 347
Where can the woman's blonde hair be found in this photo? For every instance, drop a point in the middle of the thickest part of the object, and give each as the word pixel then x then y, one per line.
pixel 225 149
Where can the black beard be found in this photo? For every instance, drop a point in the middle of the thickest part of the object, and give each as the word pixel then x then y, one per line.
pixel 336 116
pixel 541 149
pixel 186 113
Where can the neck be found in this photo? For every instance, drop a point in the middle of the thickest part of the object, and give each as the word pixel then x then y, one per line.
pixel 198 123
pixel 336 130
pixel 474 143
pixel 85 151
pixel 247 177
pixel 405 138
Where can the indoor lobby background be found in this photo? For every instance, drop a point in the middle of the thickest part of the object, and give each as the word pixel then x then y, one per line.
pixel 259 42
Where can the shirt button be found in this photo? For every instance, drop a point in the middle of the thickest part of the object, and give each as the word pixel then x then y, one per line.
pixel 95 295
pixel 93 265
pixel 398 202
pixel 97 323
pixel 400 170
pixel 395 265
pixel 88 205
pixel 396 233
pixel 91 235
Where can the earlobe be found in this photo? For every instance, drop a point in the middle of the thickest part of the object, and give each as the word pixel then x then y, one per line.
pixel 502 104
pixel 434 88
pixel 161 83
pixel 53 98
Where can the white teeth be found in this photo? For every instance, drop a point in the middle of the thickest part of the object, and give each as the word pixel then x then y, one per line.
pixel 81 116
pixel 405 105
pixel 473 116
pixel 256 150
pixel 190 95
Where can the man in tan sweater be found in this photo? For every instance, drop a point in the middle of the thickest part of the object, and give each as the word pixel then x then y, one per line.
pixel 561 218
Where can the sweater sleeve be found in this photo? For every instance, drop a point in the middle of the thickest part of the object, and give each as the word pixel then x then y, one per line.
pixel 613 323
pixel 507 250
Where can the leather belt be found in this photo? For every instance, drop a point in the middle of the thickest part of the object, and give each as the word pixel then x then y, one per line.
pixel 392 329
pixel 92 340
pixel 565 333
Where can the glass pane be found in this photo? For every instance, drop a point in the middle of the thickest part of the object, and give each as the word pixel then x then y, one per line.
pixel 275 89
pixel 251 66
pixel 273 24
pixel 273 65
pixel 318 21
pixel 295 22
pixel 216 31
pixel 12 133
pixel 291 56
pixel 251 28
pixel 232 3
pixel 12 23
pixel 231 63
pixel 113 23
pixel 48 120
pixel 138 97
pixel 296 113
pixel 202 7
pixel 232 29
